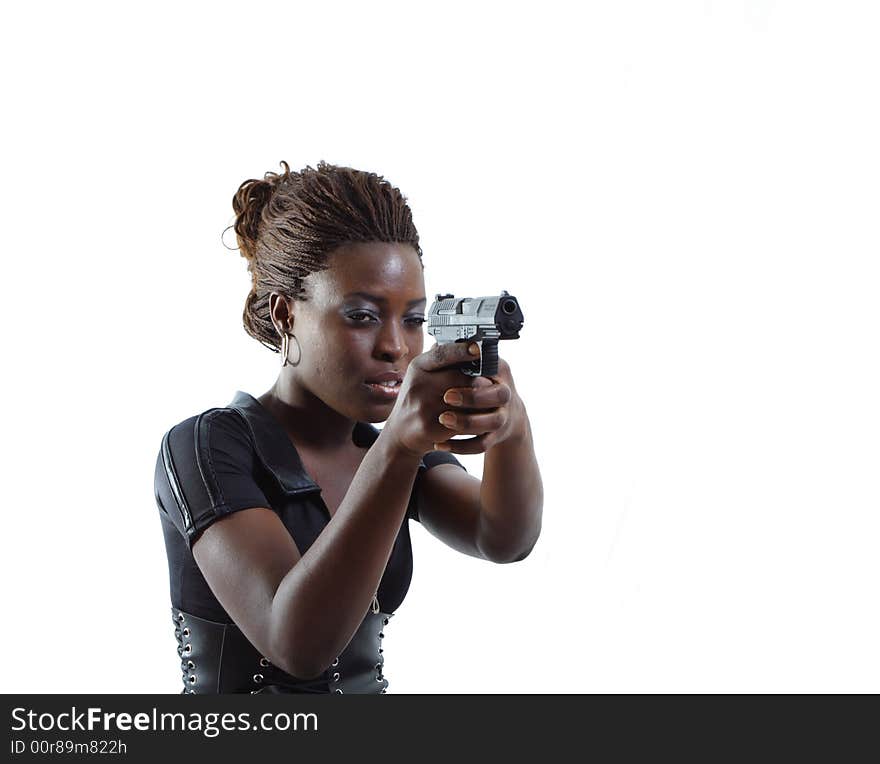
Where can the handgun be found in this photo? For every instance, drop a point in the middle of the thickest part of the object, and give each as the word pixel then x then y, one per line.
pixel 483 320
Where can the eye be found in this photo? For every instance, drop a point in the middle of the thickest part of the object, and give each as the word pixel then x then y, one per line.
pixel 361 316
pixel 416 320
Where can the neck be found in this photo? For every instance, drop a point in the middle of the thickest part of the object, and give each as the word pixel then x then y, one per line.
pixel 309 422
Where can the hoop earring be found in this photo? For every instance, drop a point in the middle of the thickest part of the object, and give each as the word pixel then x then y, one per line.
pixel 285 348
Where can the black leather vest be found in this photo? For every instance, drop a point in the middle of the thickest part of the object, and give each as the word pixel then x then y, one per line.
pixel 217 658
pixel 191 493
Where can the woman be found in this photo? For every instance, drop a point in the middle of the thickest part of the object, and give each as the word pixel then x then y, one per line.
pixel 285 516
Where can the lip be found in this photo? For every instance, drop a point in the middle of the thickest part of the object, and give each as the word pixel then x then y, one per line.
pixel 387 394
pixel 388 376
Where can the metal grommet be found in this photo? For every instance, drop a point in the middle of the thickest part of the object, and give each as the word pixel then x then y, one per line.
pixel 379 666
pixel 264 662
pixel 187 648
pixel 338 691
pixel 258 678
pixel 186 631
pixel 180 617
pixel 380 678
pixel 381 650
pixel 190 665
pixel 335 662
pixel 383 692
pixel 385 621
pixel 381 635
pixel 177 633
pixel 335 676
pixel 192 679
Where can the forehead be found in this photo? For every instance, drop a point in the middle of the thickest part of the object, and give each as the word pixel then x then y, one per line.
pixel 385 269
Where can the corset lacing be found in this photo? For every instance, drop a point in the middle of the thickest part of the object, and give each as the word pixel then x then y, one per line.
pixel 190 677
pixel 266 678
pixel 184 650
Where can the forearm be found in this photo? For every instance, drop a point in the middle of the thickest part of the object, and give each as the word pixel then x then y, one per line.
pixel 322 601
pixel 511 498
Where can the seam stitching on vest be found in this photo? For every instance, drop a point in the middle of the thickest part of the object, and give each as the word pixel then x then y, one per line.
pixel 208 424
pixel 203 421
pixel 171 476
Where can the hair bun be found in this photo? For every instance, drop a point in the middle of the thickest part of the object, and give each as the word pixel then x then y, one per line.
pixel 248 204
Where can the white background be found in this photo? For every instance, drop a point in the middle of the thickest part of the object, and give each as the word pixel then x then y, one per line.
pixel 684 197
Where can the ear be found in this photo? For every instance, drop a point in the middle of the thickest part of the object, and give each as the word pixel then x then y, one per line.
pixel 281 311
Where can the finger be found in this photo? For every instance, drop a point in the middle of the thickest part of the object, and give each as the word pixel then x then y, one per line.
pixel 464 423
pixel 478 397
pixel 448 354
pixel 503 370
pixel 465 446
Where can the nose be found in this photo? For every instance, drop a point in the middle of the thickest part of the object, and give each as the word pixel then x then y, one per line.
pixel 391 343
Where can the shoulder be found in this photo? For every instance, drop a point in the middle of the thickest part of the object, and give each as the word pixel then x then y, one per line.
pixel 426 477
pixel 205 468
pixel 217 422
pixel 205 445
pixel 200 435
pixel 433 458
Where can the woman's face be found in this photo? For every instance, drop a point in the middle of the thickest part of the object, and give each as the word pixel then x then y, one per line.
pixel 362 318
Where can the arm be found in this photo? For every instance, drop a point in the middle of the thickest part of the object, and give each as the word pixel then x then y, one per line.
pixel 498 519
pixel 279 599
pixel 511 497
pixel 346 562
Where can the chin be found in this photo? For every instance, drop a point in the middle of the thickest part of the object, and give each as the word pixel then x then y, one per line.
pixel 376 412
pixel 376 415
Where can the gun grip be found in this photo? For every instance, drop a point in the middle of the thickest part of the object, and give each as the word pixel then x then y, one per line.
pixel 489 358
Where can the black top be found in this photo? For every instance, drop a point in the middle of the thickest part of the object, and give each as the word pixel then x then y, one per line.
pixel 239 456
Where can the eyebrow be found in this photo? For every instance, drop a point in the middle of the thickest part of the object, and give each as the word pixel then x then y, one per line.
pixel 378 299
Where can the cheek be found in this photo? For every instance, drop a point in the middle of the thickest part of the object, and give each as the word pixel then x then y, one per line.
pixel 342 359
pixel 416 345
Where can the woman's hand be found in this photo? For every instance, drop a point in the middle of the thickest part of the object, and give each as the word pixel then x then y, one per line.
pixel 487 407
pixel 414 423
